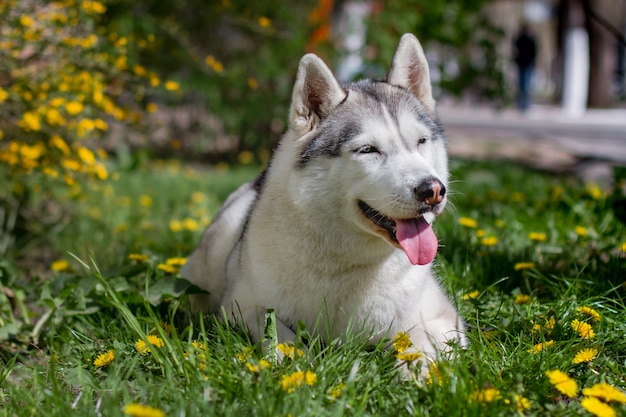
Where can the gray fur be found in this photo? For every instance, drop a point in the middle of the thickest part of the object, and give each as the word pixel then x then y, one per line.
pixel 365 100
pixel 314 237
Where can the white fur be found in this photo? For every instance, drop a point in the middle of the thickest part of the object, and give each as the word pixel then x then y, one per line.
pixel 302 247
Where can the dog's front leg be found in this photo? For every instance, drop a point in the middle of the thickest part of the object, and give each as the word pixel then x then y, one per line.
pixel 432 340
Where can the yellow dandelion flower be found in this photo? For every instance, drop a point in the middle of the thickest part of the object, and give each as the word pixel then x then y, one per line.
pixel 176 261
pixel 154 79
pixel 167 268
pixel 580 231
pixel 60 265
pixel 550 324
pixel 468 222
pixel 196 344
pixel 3 95
pixel 191 224
pixel 583 329
pixel 105 359
pixel 539 347
pixel 171 86
pixel 246 354
pixel 245 157
pixel 597 407
pixel 489 241
pixel 33 152
pixel 176 226
pixel 253 83
pixel 53 117
pixel 30 121
pixel 563 383
pixel 537 236
pixel 58 142
pixel 594 191
pixel 93 7
pixel 585 355
pixel 74 107
pixel 26 20
pixel 101 172
pixel 524 265
pixel 401 342
pixel 214 64
pixel 264 22
pixel 139 410
pixel 522 299
pixel 51 172
pixel 471 295
pixel 408 356
pixel 605 392
pixel 85 126
pixel 143 347
pixel 138 257
pixel 151 107
pixel 258 367
pixel 521 402
pixel 310 378
pixel 86 155
pixel 289 351
pixel 57 102
pixel 590 312
pixel 434 373
pixel 70 164
pixel 486 395
pixel 139 70
pixel 337 391
pixel 292 381
pixel 145 201
pixel 622 247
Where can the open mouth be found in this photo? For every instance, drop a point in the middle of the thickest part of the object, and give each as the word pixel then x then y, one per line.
pixel 415 236
pixel 379 219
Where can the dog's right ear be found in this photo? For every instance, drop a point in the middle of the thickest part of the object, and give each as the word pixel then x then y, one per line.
pixel 315 93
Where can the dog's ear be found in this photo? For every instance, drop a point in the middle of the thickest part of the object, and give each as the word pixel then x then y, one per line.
pixel 315 93
pixel 409 69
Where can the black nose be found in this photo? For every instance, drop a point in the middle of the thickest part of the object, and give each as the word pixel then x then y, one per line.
pixel 430 191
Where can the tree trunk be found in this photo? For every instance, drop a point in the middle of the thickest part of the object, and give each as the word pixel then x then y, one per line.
pixel 601 16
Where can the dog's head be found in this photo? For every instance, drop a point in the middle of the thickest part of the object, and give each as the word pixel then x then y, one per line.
pixel 373 150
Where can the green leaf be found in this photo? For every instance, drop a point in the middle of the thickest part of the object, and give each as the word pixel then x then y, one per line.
pixel 271 334
pixel 166 287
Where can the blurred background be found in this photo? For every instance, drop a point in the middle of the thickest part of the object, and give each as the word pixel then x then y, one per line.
pixel 208 80
pixel 89 88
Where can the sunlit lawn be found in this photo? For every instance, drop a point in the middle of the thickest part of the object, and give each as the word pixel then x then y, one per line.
pixel 94 320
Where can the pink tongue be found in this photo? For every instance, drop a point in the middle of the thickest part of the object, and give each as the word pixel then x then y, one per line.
pixel 417 239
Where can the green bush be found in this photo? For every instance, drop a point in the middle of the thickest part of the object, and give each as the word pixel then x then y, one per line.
pixel 64 78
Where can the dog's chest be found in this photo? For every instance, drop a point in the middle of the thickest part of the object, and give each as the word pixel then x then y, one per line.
pixel 361 296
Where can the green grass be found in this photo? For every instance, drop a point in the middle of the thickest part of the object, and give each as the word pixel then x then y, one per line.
pixel 54 324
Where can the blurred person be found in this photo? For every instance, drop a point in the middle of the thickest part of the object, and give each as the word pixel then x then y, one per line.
pixel 525 52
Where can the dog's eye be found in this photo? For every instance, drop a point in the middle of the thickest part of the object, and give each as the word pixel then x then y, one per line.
pixel 368 149
pixel 421 141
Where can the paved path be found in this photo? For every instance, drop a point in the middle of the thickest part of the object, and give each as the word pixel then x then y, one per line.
pixel 589 144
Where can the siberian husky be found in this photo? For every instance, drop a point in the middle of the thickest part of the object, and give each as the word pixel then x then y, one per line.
pixel 337 231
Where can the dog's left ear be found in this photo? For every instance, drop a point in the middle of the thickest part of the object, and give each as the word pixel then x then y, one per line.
pixel 315 93
pixel 409 69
